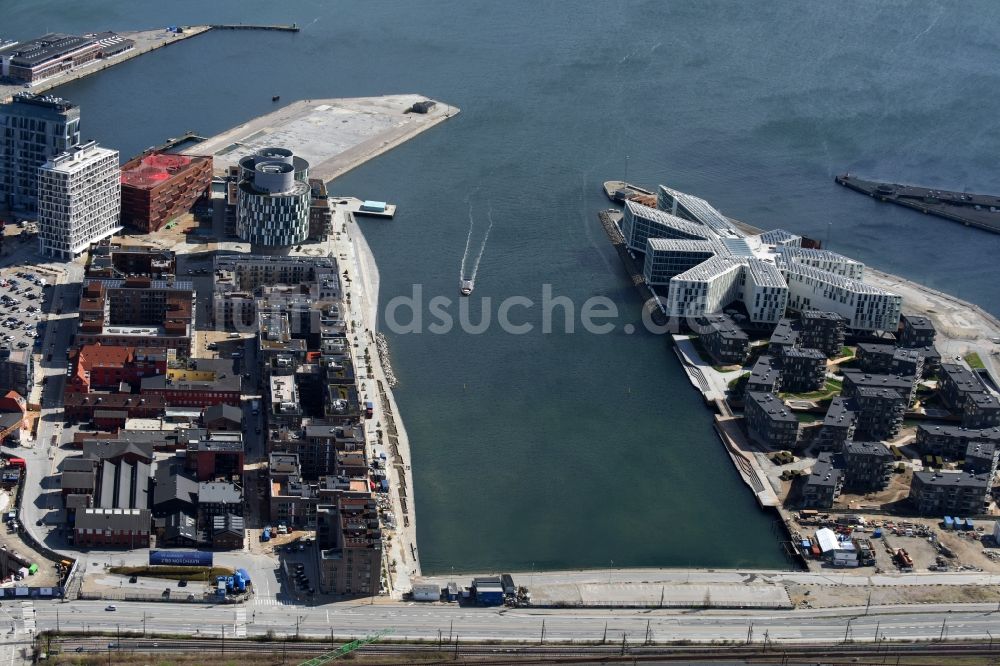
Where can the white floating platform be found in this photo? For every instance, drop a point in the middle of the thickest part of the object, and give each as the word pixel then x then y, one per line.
pixel 359 207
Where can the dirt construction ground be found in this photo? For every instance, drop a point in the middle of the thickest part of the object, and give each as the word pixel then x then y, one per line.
pixel 971 550
pixel 829 596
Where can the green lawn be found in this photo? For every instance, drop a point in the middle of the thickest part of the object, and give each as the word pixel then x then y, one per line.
pixel 830 389
pixel 976 363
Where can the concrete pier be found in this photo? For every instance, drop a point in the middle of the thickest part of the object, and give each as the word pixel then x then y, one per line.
pixel 250 26
pixel 145 41
pixel 334 135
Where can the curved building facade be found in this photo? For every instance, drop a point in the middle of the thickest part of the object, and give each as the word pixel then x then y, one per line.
pixel 273 198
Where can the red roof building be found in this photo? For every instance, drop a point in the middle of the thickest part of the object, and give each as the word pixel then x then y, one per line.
pixel 157 187
pixel 98 367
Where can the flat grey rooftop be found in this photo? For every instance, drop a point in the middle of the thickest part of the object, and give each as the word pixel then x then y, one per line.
pixel 334 135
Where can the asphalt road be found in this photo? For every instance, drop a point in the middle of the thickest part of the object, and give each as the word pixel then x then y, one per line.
pixel 423 621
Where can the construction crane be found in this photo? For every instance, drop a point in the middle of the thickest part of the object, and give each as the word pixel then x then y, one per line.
pixel 347 648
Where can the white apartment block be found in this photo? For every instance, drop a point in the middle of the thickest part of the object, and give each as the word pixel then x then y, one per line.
pixel 780 238
pixel 707 288
pixel 825 260
pixel 864 306
pixel 707 264
pixel 765 293
pixel 79 200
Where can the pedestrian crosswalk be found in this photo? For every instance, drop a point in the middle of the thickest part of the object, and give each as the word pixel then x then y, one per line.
pixel 272 601
pixel 28 616
pixel 241 623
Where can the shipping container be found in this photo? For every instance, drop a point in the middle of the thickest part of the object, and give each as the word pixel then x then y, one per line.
pixel 33 569
pixel 949 523
pixel 16 462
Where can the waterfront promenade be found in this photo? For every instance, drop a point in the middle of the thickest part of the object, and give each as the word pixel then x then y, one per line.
pixel 348 245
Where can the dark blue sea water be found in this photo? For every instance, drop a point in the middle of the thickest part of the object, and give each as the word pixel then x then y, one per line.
pixel 573 450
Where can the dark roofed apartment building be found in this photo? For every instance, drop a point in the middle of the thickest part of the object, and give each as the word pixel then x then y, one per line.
pixel 824 331
pixel 880 412
pixel 723 339
pixel 839 424
pixel 867 466
pixel 765 376
pixel 951 441
pixel 785 335
pixel 770 422
pixel 906 387
pixel 802 369
pixel 982 410
pixel 823 484
pixel 949 493
pixel 981 458
pixel 965 393
pixel 916 331
pixel 875 358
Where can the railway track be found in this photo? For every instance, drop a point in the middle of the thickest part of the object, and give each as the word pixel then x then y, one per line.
pixel 525 654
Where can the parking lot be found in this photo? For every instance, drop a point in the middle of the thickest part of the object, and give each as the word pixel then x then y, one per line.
pixel 297 562
pixel 23 300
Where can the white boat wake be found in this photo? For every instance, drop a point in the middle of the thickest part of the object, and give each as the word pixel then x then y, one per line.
pixel 468 245
pixel 468 241
pixel 482 248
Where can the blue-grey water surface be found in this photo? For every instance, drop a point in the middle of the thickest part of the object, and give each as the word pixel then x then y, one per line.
pixel 576 450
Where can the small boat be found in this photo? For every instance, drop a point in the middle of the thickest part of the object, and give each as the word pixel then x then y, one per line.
pixel 465 287
pixel 276 98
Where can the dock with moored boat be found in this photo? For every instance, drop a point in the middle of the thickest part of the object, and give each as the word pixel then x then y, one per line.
pixel 973 210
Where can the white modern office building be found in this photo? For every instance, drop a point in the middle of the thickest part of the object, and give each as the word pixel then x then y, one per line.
pixel 642 222
pixel 79 200
pixel 706 264
pixel 695 209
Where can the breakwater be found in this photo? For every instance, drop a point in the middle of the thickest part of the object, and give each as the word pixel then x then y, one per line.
pixel 383 354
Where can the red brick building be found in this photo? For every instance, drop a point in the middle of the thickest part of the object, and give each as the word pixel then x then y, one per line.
pixel 123 528
pixel 155 313
pixel 82 406
pixel 104 367
pixel 220 455
pixel 157 187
